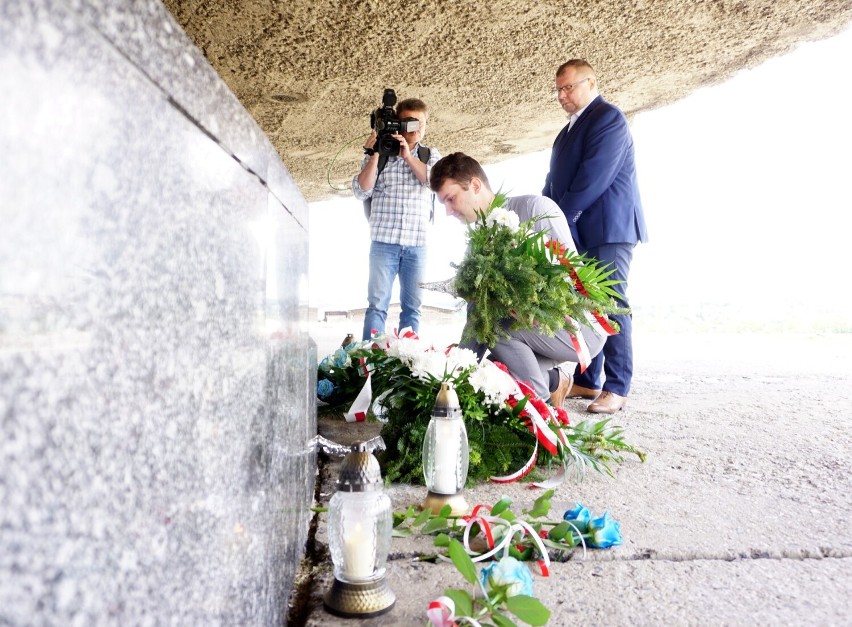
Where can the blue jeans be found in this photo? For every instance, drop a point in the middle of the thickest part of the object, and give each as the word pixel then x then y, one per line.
pixel 386 262
pixel 616 358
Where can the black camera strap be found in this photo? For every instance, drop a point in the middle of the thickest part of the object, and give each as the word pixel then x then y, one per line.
pixel 423 153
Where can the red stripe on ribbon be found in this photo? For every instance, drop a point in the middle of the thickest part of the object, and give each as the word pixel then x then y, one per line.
pixel 520 474
pixel 582 355
pixel 487 529
pixel 476 509
pixel 542 434
pixel 602 320
pixel 407 334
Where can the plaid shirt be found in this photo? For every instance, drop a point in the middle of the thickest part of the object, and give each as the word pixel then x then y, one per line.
pixel 401 203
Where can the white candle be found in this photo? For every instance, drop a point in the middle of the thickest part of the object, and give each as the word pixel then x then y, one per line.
pixel 446 457
pixel 359 552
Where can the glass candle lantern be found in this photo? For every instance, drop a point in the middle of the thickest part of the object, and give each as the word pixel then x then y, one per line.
pixel 360 520
pixel 445 453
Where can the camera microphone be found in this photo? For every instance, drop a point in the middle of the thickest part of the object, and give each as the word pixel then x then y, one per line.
pixel 389 98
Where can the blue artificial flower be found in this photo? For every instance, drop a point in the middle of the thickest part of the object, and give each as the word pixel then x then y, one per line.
pixel 341 359
pixel 604 532
pixel 508 573
pixel 579 517
pixel 325 388
pixel 325 364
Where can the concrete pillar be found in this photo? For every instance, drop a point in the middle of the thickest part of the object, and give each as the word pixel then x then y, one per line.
pixel 156 373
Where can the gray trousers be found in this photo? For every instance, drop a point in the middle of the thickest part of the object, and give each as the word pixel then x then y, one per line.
pixel 529 355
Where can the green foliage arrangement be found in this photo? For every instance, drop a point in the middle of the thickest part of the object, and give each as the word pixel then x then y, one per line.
pixel 513 273
pixel 511 540
pixel 498 440
pixel 498 436
pixel 514 276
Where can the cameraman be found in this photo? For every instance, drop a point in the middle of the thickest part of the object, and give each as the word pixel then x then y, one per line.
pixel 401 204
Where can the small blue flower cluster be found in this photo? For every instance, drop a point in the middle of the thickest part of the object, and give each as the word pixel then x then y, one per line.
pixel 336 374
pixel 600 533
pixel 325 389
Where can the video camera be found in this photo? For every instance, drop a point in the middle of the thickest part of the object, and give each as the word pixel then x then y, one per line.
pixel 386 123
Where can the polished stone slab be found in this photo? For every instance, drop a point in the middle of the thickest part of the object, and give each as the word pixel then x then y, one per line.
pixel 156 371
pixel 154 42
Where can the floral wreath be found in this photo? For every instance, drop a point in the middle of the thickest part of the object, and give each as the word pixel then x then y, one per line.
pixel 512 272
pixel 510 430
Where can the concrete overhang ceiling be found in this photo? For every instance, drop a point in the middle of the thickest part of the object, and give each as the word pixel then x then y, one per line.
pixel 310 72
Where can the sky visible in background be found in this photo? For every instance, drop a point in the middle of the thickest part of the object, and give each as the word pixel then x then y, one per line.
pixel 746 193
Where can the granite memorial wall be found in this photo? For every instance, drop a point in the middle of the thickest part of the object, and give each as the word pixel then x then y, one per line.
pixel 156 372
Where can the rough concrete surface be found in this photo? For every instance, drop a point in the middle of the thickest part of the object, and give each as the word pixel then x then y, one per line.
pixel 740 515
pixel 310 72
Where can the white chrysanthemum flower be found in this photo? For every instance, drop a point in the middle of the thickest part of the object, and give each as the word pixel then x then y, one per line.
pixel 492 382
pixel 406 349
pixel 429 363
pixel 503 217
pixel 459 359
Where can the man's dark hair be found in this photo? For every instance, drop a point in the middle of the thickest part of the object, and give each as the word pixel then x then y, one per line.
pixel 411 104
pixel 459 167
pixel 575 63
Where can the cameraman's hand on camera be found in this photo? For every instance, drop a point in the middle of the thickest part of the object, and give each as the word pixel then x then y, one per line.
pixel 370 169
pixel 416 165
pixel 370 144
pixel 404 150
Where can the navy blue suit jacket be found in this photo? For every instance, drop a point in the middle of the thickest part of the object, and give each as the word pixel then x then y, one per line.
pixel 593 179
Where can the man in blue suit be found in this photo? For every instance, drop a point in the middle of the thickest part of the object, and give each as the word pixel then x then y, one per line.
pixel 593 180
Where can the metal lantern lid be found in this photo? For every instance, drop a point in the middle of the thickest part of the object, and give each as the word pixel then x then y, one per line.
pixel 360 471
pixel 447 402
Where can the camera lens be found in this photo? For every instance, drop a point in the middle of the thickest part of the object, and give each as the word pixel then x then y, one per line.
pixel 388 146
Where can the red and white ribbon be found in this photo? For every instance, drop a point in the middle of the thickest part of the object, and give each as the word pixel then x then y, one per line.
pixel 407 333
pixel 361 405
pixel 441 612
pixel 549 438
pixel 600 323
pixel 500 536
pixel 584 355
pixel 358 411
pixel 364 369
pixel 545 435
pixel 522 472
